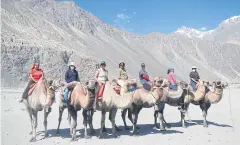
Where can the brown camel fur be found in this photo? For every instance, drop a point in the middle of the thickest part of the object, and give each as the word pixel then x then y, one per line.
pixel 211 97
pixel 41 98
pixel 147 99
pixel 111 102
pixel 81 97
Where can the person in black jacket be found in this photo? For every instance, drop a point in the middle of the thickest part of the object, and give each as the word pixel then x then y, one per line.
pixel 194 77
pixel 70 76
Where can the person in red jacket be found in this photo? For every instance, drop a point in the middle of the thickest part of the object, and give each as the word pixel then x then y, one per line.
pixel 34 75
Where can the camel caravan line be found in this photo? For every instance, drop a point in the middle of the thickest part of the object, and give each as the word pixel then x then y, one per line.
pixel 128 96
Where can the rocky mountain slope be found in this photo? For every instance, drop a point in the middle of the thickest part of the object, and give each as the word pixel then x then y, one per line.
pixel 55 33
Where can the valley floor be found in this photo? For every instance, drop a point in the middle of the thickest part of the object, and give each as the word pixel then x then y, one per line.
pixel 224 125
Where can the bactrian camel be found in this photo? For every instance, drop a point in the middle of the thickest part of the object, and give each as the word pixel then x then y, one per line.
pixel 147 99
pixel 41 98
pixel 112 101
pixel 210 97
pixel 81 97
pixel 181 99
pixel 62 105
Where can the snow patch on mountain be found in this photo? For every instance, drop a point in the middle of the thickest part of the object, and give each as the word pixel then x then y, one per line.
pixel 190 32
pixel 232 20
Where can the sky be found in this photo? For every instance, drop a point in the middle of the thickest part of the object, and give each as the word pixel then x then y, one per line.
pixel 165 16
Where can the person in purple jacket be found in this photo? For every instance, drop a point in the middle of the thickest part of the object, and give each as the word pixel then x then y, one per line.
pixel 70 76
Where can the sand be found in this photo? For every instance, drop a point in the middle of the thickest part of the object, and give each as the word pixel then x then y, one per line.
pixel 224 125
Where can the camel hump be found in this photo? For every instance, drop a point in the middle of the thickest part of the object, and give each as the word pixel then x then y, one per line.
pixel 175 94
pixel 73 84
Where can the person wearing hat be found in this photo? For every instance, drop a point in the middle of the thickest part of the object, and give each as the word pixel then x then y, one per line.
pixel 144 78
pixel 101 76
pixel 172 79
pixel 194 77
pixel 70 76
pixel 122 71
pixel 35 74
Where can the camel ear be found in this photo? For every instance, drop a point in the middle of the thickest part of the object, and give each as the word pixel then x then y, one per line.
pixel 50 82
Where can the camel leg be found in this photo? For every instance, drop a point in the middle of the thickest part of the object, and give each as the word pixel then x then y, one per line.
pixel 113 112
pixel 69 122
pixel 155 119
pixel 102 123
pixel 116 127
pixel 73 114
pixel 205 106
pixel 34 126
pixel 161 107
pixel 183 114
pixel 104 128
pixel 166 124
pixel 31 120
pixel 135 113
pixel 60 109
pixel 183 119
pixel 91 112
pixel 186 113
pixel 85 122
pixel 46 113
pixel 123 114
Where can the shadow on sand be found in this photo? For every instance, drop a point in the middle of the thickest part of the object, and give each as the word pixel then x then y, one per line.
pixel 197 122
pixel 200 122
pixel 145 129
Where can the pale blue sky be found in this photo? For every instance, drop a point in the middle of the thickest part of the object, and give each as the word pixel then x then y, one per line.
pixel 145 16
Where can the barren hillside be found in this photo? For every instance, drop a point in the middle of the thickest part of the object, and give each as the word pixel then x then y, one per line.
pixel 57 32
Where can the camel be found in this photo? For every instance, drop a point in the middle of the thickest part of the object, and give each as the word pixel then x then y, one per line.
pixel 62 105
pixel 41 98
pixel 81 97
pixel 112 101
pixel 210 97
pixel 181 99
pixel 147 99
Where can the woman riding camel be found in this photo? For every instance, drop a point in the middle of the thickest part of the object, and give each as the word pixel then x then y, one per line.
pixel 122 71
pixel 172 79
pixel 194 77
pixel 101 76
pixel 35 74
pixel 70 76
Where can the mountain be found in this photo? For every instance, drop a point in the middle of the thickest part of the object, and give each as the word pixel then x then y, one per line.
pixel 224 33
pixel 56 32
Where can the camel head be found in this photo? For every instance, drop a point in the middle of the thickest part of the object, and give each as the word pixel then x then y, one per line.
pixel 159 82
pixel 49 84
pixel 90 84
pixel 56 84
pixel 204 83
pixel 225 85
pixel 220 85
pixel 183 84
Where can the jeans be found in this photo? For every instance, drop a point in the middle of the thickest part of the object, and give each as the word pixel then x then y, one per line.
pixel 25 93
pixel 193 84
pixel 173 87
pixel 66 91
pixel 147 86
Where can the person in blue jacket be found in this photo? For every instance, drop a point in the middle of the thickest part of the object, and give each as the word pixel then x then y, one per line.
pixel 70 76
